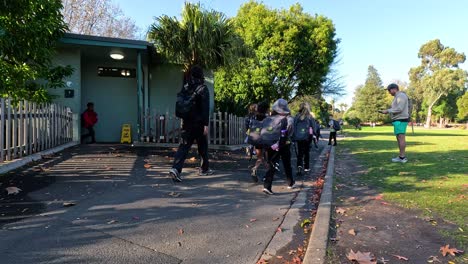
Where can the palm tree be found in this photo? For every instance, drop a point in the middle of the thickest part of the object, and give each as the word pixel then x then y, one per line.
pixel 203 37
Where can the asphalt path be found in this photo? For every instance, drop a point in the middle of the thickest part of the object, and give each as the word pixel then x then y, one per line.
pixel 99 204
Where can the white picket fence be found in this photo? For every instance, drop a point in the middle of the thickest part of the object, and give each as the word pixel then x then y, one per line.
pixel 27 128
pixel 225 129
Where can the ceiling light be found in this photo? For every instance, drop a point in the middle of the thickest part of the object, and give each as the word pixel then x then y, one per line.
pixel 117 55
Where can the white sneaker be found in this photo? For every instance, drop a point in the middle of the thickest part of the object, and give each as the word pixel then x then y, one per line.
pixel 398 159
pixel 175 175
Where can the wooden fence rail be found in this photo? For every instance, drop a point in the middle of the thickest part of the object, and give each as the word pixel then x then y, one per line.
pixel 225 129
pixel 27 128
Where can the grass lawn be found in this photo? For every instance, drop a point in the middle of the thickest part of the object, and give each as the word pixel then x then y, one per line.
pixel 435 179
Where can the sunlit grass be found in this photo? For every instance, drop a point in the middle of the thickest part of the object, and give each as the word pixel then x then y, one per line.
pixel 434 180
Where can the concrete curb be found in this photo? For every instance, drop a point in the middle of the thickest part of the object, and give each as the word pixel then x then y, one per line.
pixel 4 168
pixel 317 248
pixel 291 217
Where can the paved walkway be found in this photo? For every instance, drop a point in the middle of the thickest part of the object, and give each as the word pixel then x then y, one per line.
pixel 123 212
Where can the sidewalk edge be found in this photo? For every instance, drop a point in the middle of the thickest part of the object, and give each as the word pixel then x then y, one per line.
pixel 13 165
pixel 317 248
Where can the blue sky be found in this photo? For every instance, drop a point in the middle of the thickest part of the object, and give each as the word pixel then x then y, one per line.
pixel 386 34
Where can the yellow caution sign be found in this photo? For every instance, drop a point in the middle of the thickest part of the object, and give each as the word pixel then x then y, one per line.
pixel 126 134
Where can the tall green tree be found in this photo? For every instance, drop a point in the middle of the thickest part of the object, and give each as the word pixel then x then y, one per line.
pixel 370 97
pixel 203 37
pixel 292 54
pixel 462 104
pixel 29 33
pixel 438 75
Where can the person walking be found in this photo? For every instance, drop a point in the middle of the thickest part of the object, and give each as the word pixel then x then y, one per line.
pixel 303 136
pixel 255 124
pixel 333 124
pixel 399 113
pixel 275 137
pixel 194 123
pixel 89 118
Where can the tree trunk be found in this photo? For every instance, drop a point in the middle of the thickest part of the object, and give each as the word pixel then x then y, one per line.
pixel 429 111
pixel 429 115
pixel 441 122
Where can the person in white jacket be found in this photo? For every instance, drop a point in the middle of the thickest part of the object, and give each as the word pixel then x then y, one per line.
pixel 399 113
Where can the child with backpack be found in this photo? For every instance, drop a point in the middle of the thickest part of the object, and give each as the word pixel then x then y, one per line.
pixel 334 127
pixel 304 134
pixel 250 151
pixel 275 139
pixel 253 138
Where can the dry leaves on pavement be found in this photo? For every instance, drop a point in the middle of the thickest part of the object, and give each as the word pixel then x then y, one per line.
pixel 401 257
pixel 352 232
pixel 174 194
pixel 361 258
pixel 340 210
pixel 13 190
pixel 447 250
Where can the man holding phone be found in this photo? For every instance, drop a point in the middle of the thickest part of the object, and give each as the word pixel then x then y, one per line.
pixel 399 113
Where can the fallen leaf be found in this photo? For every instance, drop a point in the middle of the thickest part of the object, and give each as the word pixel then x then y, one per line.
pixel 262 261
pixel 180 232
pixel 340 210
pixel 112 222
pixel 305 223
pixel 352 232
pixel 13 190
pixel 68 204
pixel 371 227
pixel 361 258
pixel 279 257
pixel 433 259
pixel 192 159
pixel 447 250
pixel 147 166
pixel 382 261
pixel 174 194
pixel 276 219
pixel 279 230
pixel 179 244
pixel 400 257
pixel 385 203
pixel 379 197
pixel 296 260
pixel 253 220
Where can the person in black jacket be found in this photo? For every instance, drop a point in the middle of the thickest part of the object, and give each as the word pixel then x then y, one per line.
pixel 195 126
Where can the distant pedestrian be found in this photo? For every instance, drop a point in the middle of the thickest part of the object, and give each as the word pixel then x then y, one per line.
pixel 89 118
pixel 334 127
pixel 250 151
pixel 275 136
pixel 255 128
pixel 303 136
pixel 194 109
pixel 399 113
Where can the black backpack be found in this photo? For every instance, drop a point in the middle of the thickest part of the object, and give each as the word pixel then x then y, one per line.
pixel 255 128
pixel 301 128
pixel 186 101
pixel 336 125
pixel 271 129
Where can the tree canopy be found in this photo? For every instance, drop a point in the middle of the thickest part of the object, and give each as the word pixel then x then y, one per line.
pixel 370 97
pixel 29 32
pixel 203 37
pixel 98 18
pixel 291 55
pixel 438 75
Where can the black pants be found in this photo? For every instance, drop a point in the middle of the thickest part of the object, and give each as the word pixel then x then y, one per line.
pixel 303 153
pixel 273 157
pixel 91 134
pixel 188 137
pixel 332 136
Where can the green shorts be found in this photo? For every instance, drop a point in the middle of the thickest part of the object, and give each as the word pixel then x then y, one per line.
pixel 399 127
